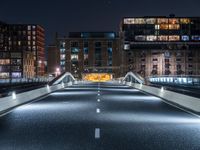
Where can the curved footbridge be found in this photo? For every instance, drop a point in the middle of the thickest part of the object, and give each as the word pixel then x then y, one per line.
pixel 123 114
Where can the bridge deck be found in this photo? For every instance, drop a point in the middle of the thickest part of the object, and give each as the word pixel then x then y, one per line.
pixel 119 118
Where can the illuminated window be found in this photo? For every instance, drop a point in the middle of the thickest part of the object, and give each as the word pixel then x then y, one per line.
pixel 174 38
pixel 62 57
pixel 74 50
pixel 29 38
pixel 151 21
pixel 174 21
pixel 29 27
pixel 162 21
pixel 174 26
pixel 184 21
pixel 16 74
pixel 85 56
pixel 16 61
pixel 129 21
pixel 139 21
pixel 162 38
pixel 185 38
pixel 62 50
pixel 74 57
pixel 4 61
pixel 33 32
pixel 157 27
pixel 164 26
pixel 62 63
pixel 126 46
pixel 19 43
pixel 151 38
pixel 134 21
pixel 62 44
pixel 140 38
pixel 4 75
pixel 196 38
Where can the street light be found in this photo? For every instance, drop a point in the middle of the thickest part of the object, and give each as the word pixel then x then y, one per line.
pixel 57 71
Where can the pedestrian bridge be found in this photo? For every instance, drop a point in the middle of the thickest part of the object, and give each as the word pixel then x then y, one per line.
pixel 122 114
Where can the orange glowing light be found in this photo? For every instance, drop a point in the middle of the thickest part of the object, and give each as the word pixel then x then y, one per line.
pixel 98 77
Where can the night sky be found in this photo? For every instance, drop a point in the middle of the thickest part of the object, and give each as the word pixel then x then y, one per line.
pixel 89 15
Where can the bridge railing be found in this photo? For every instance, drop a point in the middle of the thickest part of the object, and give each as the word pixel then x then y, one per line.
pixel 133 78
pixel 193 80
pixel 65 77
pixel 25 80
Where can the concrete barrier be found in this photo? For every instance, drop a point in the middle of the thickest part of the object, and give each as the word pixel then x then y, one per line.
pixel 12 101
pixel 188 102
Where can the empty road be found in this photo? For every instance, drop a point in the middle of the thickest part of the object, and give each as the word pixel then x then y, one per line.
pixel 99 116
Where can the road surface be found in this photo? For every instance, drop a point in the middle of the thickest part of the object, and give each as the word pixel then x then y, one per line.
pixel 99 116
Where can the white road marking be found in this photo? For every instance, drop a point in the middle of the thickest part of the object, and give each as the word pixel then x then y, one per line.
pixel 98 94
pixel 97 133
pixel 98 100
pixel 98 110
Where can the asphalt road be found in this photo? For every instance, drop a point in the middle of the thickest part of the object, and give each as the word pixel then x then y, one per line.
pixel 119 118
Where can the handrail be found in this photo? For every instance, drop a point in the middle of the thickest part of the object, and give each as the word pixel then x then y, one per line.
pixel 175 80
pixel 61 77
pixel 174 76
pixel 136 76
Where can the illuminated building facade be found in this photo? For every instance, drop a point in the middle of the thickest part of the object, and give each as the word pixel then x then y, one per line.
pixel 161 45
pixel 16 40
pixel 90 52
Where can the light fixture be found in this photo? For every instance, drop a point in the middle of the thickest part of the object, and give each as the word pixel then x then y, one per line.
pixel 14 95
pixel 162 89
pixel 48 88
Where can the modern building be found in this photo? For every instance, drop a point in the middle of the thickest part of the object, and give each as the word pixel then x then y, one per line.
pixel 88 52
pixel 161 45
pixel 16 40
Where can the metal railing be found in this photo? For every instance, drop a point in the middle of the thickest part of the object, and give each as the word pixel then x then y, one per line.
pixel 25 80
pixel 133 78
pixel 65 77
pixel 190 80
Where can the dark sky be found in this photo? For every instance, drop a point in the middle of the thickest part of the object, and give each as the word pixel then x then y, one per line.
pixel 89 15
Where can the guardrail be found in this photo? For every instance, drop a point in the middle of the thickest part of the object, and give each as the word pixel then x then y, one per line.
pixel 134 78
pixel 176 80
pixel 16 99
pixel 185 101
pixel 25 80
pixel 63 78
